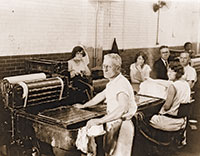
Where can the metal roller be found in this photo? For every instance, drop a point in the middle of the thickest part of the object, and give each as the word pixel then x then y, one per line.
pixel 37 92
pixel 8 83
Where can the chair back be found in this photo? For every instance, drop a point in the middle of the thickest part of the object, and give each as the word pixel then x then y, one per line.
pixel 184 110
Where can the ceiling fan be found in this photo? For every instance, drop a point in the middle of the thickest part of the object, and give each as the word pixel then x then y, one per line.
pixel 159 4
pixel 156 8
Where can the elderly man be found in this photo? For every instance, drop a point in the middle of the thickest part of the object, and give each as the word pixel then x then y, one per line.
pixel 190 73
pixel 121 106
pixel 161 65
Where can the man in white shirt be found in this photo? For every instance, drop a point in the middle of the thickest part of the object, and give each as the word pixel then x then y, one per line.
pixel 190 73
pixel 121 106
pixel 190 76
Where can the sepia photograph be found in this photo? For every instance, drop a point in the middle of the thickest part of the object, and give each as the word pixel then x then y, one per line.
pixel 99 77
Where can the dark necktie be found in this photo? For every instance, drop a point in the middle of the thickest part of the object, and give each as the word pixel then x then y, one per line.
pixel 166 64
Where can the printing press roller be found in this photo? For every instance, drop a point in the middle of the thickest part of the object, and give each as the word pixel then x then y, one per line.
pixel 8 83
pixel 37 92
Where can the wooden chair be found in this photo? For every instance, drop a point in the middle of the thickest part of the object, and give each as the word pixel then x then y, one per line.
pixel 162 140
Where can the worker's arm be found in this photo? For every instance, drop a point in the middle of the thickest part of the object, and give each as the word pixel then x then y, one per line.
pixel 94 101
pixel 170 97
pixel 133 80
pixel 122 99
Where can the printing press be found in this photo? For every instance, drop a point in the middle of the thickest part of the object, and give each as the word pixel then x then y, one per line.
pixel 42 119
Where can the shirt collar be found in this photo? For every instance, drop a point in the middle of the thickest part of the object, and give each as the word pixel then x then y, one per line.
pixel 187 66
pixel 115 79
pixel 164 60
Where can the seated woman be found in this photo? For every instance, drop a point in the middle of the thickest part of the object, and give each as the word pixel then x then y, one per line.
pixel 178 93
pixel 139 71
pixel 80 73
pixel 168 127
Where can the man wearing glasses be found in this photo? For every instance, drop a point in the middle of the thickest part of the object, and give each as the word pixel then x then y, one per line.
pixel 121 107
pixel 161 65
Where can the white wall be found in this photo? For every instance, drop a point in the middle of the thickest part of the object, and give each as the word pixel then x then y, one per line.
pixel 49 26
pixel 44 26
pixel 179 23
pixel 134 23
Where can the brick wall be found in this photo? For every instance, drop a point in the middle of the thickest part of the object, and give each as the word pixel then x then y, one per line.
pixel 128 55
pixel 15 65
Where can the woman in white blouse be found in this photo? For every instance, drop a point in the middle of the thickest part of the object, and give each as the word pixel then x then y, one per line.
pixel 80 74
pixel 178 93
pixel 77 65
pixel 139 70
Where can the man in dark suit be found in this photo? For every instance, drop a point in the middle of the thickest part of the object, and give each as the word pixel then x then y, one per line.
pixel 161 65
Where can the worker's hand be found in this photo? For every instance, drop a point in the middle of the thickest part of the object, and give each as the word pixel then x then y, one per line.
pixel 83 72
pixel 79 105
pixel 139 67
pixel 93 122
pixel 74 73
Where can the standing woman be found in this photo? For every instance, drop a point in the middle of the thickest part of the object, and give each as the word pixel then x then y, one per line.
pixel 139 71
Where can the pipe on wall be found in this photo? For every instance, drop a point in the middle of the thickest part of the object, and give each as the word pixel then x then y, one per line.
pixel 96 35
